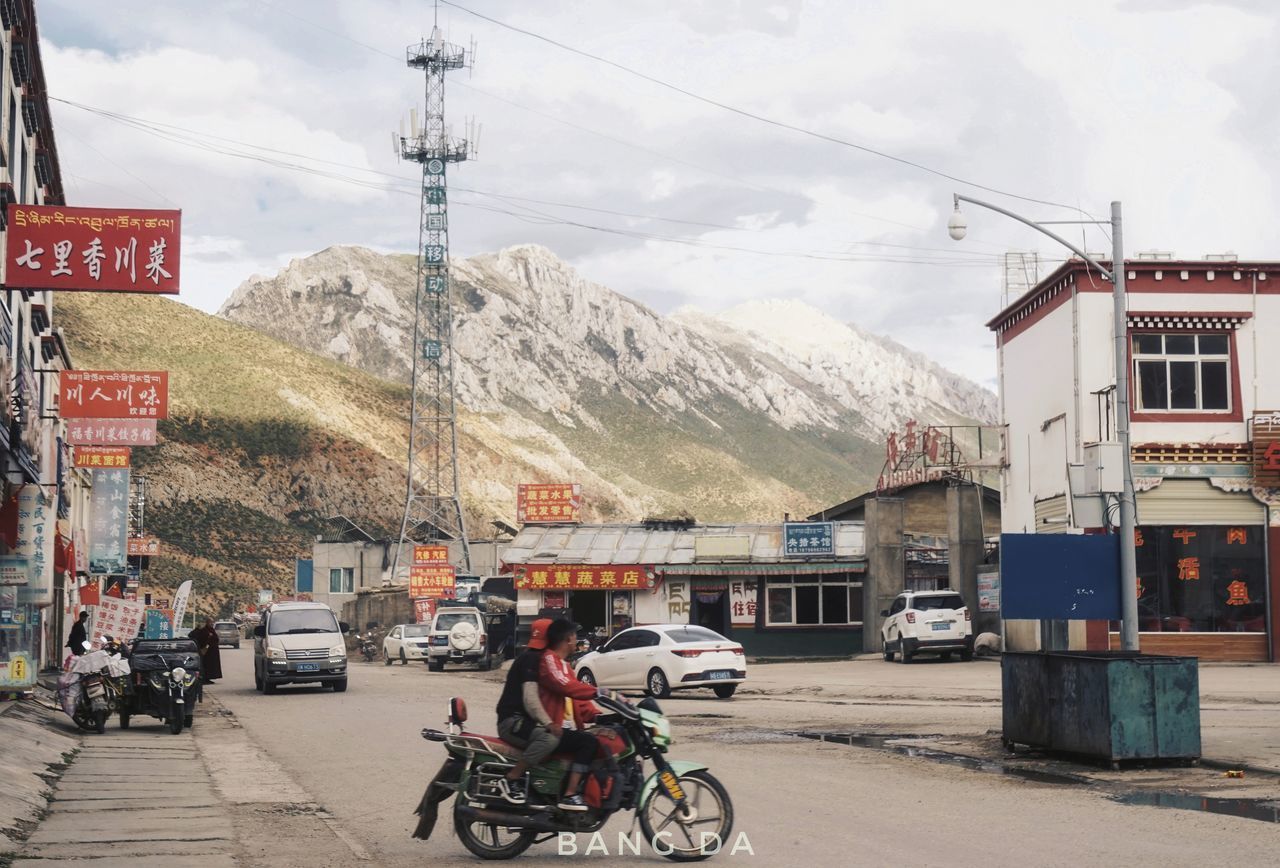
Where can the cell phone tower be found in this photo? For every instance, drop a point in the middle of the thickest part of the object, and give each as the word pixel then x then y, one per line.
pixel 433 507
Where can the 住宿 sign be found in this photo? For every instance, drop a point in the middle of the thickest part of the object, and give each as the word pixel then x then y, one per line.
pixel 810 538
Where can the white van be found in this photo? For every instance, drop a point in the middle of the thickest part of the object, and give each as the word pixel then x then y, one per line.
pixel 299 643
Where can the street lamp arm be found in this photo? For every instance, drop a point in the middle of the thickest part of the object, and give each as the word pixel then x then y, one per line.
pixel 1036 226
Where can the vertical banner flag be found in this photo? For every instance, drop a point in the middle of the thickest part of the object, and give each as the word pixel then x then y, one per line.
pixel 180 605
pixel 110 528
pixel 36 517
pixel 92 249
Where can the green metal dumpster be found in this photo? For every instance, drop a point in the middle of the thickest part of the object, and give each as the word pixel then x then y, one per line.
pixel 1109 705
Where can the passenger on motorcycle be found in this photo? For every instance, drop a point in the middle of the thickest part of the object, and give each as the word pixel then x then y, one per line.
pixel 567 700
pixel 522 721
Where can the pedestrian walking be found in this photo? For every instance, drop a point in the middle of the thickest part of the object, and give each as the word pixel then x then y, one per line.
pixel 79 633
pixel 206 639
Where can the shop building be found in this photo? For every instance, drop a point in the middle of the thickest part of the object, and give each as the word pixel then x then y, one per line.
pixel 1202 338
pixel 739 580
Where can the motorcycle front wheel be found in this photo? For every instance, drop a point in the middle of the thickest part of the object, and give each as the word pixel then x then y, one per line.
pixel 489 841
pixel 680 837
pixel 100 722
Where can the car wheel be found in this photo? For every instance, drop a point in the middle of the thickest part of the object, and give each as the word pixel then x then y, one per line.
pixel 403 660
pixel 340 686
pixel 386 656
pixel 485 663
pixel 435 665
pixel 656 684
pixel 888 651
pixel 188 720
pixel 124 720
pixel 257 680
pixel 268 686
pixel 724 691
pixel 946 656
pixel 967 654
pixel 905 649
pixel 586 676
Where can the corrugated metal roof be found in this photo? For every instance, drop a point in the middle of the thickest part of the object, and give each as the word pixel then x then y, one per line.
pixel 636 544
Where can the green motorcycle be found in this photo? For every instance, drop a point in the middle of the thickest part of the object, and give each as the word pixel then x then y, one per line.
pixel 685 813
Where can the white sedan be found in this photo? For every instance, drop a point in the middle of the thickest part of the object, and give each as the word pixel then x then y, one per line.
pixel 406 642
pixel 660 658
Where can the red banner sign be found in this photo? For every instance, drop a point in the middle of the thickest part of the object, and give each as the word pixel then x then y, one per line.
pixel 1266 449
pixel 584 577
pixel 102 456
pixel 424 610
pixel 114 394
pixel 92 249
pixel 549 503
pixel 431 581
pixel 431 555
pixel 143 546
pixel 102 432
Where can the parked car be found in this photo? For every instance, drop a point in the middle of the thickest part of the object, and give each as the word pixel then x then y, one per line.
pixel 932 621
pixel 660 658
pixel 228 633
pixel 299 643
pixel 406 642
pixel 458 636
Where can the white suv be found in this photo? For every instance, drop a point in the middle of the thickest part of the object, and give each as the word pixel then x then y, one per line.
pixel 934 621
pixel 458 636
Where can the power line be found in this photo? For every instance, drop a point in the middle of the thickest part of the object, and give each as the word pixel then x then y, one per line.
pixel 753 115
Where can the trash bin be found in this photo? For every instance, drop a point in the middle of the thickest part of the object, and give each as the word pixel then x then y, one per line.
pixel 1108 705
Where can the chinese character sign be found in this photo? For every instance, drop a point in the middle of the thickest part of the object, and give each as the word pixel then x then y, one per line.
pixel 424 610
pixel 810 538
pixel 36 518
pixel 743 601
pixel 143 547
pixel 431 581
pixel 119 619
pixel 113 394
pixel 1266 449
pixel 431 555
pixel 102 456
pixel 111 432
pixel 92 249
pixel 584 577
pixel 555 503
pixel 109 527
pixel 158 626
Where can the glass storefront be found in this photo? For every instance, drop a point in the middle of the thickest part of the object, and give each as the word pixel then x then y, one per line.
pixel 1201 579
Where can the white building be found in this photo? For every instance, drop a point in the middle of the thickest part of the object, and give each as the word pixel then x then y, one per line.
pixel 1204 337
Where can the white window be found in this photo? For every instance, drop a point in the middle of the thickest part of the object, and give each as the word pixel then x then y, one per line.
pixel 813 600
pixel 1182 372
pixel 342 581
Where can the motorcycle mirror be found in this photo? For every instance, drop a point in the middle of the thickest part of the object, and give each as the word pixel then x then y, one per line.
pixel 344 626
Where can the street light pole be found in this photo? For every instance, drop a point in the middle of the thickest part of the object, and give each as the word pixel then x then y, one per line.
pixel 1116 274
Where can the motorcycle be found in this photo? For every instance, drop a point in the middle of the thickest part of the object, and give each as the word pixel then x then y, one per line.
pixel 92 688
pixel 368 647
pixel 166 683
pixel 684 812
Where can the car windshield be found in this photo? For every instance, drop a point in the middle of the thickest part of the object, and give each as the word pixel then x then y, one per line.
pixel 416 630
pixel 695 634
pixel 938 601
pixel 303 621
pixel 445 622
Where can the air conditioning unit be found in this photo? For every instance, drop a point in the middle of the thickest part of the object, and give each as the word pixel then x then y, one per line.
pixel 1103 468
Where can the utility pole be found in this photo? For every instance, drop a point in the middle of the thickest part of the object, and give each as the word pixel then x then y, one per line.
pixel 433 506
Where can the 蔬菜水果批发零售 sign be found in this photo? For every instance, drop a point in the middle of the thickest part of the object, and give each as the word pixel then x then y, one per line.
pixel 808 538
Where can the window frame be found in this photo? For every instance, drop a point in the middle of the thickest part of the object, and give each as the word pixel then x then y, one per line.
pixel 335 580
pixel 851 582
pixel 1233 411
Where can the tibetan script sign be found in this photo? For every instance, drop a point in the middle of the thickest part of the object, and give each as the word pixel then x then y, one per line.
pixel 110 432
pixel 431 581
pixel 431 555
pixel 810 538
pixel 92 249
pixel 584 577
pixel 113 394
pixel 1266 450
pixel 553 503
pixel 143 546
pixel 102 456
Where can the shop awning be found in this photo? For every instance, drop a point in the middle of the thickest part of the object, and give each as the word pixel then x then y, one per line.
pixel 801 568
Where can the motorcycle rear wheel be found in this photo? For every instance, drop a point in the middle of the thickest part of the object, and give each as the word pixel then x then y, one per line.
pixel 705 794
pixel 491 842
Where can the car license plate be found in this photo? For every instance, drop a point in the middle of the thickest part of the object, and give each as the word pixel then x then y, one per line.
pixel 719 674
pixel 942 626
pixel 308 667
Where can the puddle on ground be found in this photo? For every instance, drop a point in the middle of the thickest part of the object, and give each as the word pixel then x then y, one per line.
pixel 1249 809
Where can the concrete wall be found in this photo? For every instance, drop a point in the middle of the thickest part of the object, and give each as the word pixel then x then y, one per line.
pixel 886 569
pixel 387 607
pixel 363 558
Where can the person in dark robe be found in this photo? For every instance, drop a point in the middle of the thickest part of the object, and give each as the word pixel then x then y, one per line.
pixel 206 639
pixel 79 634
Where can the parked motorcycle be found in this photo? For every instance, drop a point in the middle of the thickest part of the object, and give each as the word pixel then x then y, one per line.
pixel 684 812
pixel 166 682
pixel 92 688
pixel 368 647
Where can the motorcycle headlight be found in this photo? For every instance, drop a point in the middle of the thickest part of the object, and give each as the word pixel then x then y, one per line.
pixel 179 673
pixel 661 731
pixel 338 651
pixel 275 654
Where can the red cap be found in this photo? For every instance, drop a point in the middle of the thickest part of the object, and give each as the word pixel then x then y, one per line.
pixel 538 633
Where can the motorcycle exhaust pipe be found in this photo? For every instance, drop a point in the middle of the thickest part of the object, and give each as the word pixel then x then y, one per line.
pixel 501 818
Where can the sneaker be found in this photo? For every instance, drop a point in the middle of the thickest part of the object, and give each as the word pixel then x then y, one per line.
pixel 572 803
pixel 515 791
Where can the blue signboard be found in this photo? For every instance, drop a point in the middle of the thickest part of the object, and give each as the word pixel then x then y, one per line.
pixel 1060 577
pixel 158 626
pixel 810 538
pixel 302 575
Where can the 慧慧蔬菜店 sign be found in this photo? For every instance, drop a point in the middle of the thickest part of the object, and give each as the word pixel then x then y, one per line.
pixel 113 394
pixel 810 538
pixel 431 555
pixel 111 432
pixel 549 503
pixel 102 456
pixel 92 249
pixel 584 577
pixel 431 581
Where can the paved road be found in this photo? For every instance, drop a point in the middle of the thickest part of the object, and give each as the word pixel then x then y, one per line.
pixel 359 756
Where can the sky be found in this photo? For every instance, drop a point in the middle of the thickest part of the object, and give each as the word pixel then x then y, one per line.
pixel 1166 105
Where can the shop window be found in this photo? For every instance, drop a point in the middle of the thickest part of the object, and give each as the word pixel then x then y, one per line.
pixel 1201 579
pixel 813 600
pixel 1182 372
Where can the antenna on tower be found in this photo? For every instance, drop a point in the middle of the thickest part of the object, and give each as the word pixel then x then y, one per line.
pixel 433 505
